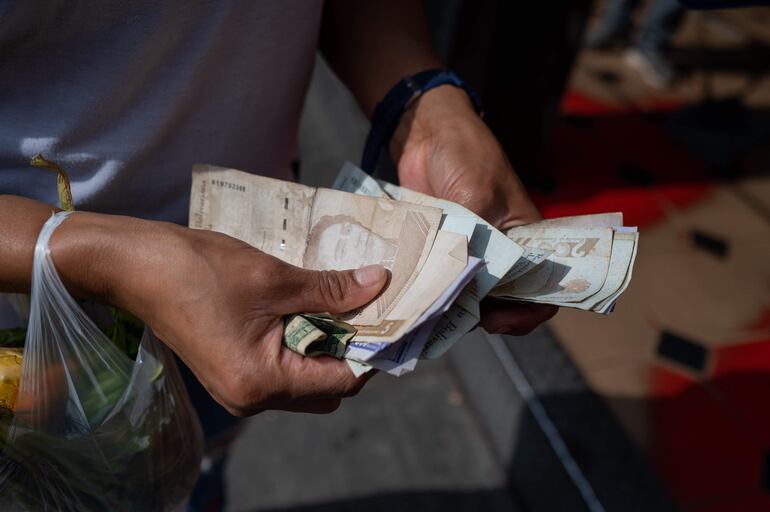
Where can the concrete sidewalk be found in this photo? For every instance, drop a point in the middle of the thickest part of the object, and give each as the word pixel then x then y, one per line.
pixel 402 444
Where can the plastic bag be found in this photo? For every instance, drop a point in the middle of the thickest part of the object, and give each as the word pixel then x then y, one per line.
pixel 93 429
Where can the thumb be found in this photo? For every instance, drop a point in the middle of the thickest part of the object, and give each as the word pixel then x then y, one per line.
pixel 335 291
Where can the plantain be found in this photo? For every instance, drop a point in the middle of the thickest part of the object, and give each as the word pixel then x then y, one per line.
pixel 65 191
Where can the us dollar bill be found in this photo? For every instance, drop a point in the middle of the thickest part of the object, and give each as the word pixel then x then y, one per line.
pixel 312 335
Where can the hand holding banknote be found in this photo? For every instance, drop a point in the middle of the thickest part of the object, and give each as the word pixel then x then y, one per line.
pixel 442 258
pixel 220 305
pixel 449 153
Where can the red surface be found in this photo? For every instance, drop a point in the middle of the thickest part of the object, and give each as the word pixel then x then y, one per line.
pixel 741 378
pixel 575 103
pixel 703 452
pixel 585 160
pixel 754 502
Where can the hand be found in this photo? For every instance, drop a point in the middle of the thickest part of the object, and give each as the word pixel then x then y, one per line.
pixel 219 304
pixel 444 149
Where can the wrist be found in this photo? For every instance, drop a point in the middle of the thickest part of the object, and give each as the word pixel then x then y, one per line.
pixel 443 108
pixel 100 257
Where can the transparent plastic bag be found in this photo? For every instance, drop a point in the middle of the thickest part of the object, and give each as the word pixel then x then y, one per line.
pixel 92 428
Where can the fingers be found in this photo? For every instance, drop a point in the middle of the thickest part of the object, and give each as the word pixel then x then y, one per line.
pixel 318 378
pixel 334 291
pixel 504 317
pixel 292 383
pixel 323 377
pixel 317 385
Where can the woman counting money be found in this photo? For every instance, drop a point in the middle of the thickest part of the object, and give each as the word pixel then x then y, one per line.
pixel 126 96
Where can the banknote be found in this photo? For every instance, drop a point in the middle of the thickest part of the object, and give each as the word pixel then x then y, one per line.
pixel 445 263
pixel 593 220
pixel 605 306
pixel 623 253
pixel 358 368
pixel 314 335
pixel 299 333
pixel 621 263
pixel 575 270
pixel 402 356
pixel 451 327
pixel 319 229
pixel 485 241
pixel 531 258
pixel 346 232
pixel 455 220
pixel 363 351
pixel 356 181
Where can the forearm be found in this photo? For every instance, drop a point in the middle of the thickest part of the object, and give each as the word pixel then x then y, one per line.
pixel 20 223
pixel 372 44
pixel 90 250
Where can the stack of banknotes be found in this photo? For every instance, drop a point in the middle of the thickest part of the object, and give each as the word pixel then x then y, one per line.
pixel 442 259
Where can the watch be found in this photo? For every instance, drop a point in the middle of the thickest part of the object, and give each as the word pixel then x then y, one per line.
pixel 387 113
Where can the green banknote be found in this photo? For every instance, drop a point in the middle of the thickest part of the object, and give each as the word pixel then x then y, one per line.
pixel 315 335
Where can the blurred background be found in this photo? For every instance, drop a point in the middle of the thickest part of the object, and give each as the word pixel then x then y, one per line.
pixel 647 108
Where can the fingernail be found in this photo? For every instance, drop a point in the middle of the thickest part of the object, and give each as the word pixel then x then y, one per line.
pixel 369 275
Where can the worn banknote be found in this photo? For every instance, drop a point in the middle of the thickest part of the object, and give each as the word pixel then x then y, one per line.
pixel 575 270
pixel 588 264
pixel 319 229
pixel 499 253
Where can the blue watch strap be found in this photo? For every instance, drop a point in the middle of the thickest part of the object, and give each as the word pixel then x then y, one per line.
pixel 388 112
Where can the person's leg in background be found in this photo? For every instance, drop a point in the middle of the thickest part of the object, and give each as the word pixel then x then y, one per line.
pixel 614 25
pixel 661 21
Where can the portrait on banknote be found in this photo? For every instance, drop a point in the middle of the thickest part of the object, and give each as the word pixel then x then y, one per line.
pixel 339 242
pixel 319 229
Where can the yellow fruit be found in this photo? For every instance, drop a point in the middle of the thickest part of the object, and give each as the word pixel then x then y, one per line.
pixel 10 374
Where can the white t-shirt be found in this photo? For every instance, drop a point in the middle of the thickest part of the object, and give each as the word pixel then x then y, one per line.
pixel 127 95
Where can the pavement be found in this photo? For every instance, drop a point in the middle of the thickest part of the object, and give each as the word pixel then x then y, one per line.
pixel 402 444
